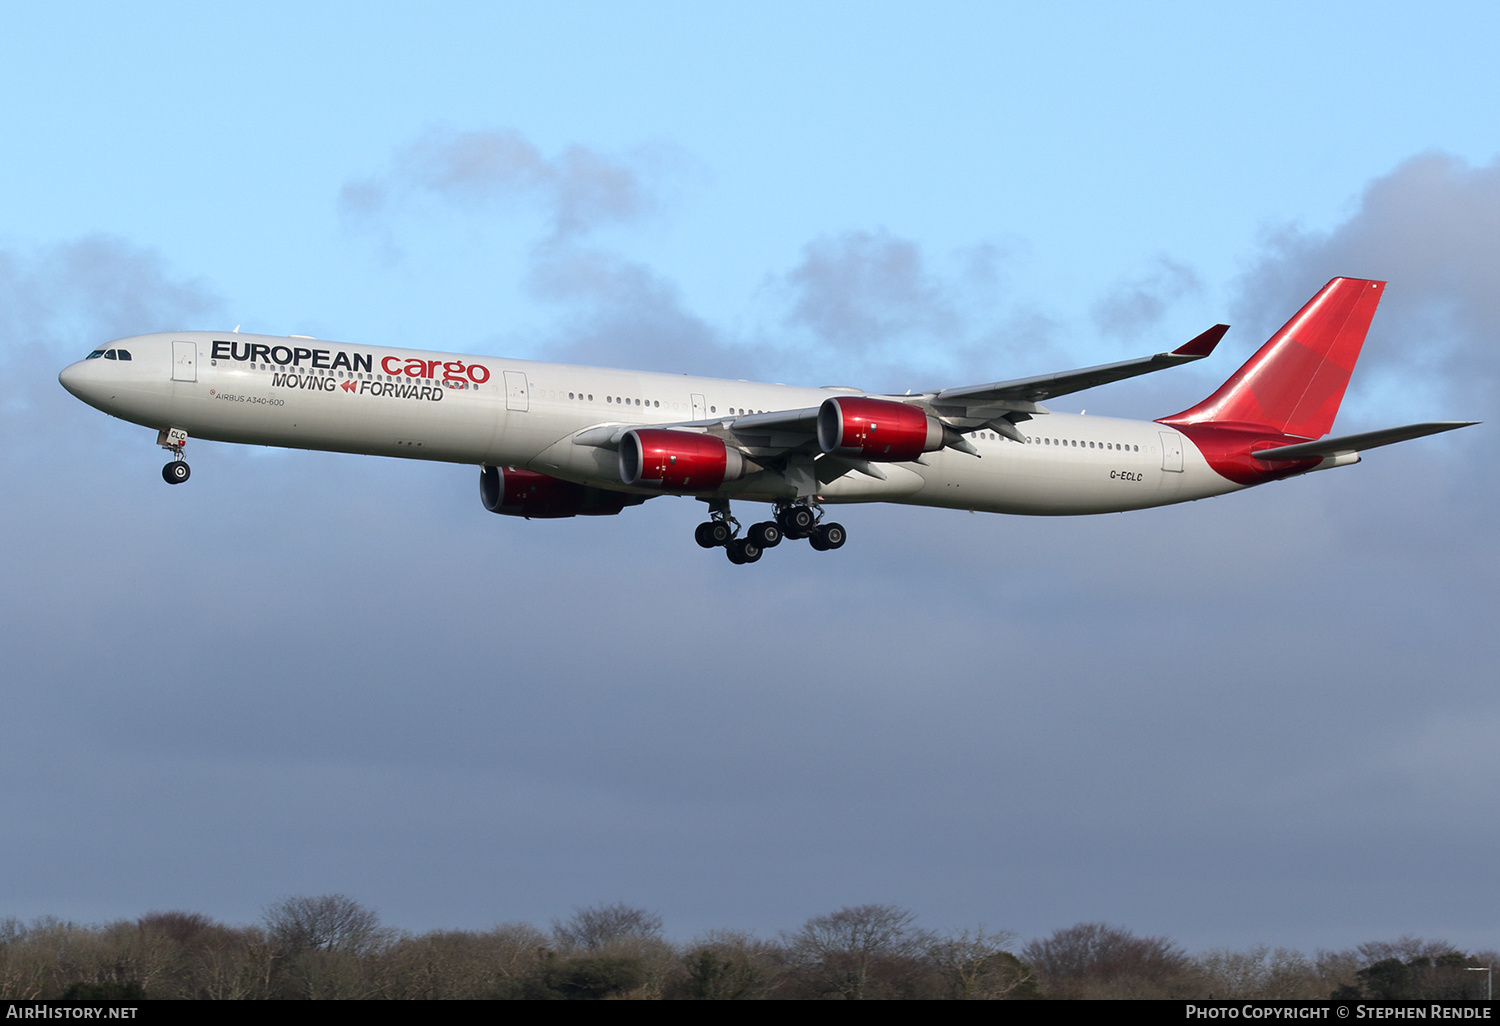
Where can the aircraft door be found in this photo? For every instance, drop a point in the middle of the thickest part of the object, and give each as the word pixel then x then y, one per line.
pixel 700 407
pixel 516 391
pixel 184 361
pixel 1171 451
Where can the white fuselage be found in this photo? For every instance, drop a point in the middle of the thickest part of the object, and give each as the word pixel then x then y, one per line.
pixel 311 394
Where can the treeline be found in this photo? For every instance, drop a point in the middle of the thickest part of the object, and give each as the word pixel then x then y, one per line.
pixel 332 947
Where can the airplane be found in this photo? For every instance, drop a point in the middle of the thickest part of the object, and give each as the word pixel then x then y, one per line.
pixel 555 440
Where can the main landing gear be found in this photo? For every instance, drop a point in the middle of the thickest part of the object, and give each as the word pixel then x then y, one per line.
pixel 174 440
pixel 793 520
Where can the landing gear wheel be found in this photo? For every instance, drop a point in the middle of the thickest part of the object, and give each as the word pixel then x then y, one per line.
pixel 796 521
pixel 176 472
pixel 827 536
pixel 766 534
pixel 743 550
pixel 704 535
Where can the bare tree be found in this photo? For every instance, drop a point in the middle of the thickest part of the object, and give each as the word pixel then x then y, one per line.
pixel 978 965
pixel 1261 973
pixel 323 946
pixel 330 922
pixel 1096 959
pixel 728 965
pixel 182 927
pixel 598 926
pixel 230 964
pixel 611 950
pixel 459 964
pixel 844 953
pixel 1407 968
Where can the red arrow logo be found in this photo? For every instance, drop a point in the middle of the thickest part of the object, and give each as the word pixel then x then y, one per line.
pixel 348 386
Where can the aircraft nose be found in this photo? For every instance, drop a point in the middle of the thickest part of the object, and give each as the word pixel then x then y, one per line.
pixel 71 378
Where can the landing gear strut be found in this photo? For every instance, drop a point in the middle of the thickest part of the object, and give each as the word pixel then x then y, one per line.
pixel 805 520
pixel 174 440
pixel 720 528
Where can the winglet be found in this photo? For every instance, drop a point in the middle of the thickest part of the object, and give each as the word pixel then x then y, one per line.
pixel 1204 344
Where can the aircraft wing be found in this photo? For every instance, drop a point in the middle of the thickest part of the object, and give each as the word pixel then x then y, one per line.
pixel 1050 386
pixel 997 405
pixel 1344 445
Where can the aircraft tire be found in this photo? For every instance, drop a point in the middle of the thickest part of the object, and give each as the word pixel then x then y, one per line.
pixel 704 535
pixel 766 534
pixel 833 536
pixel 743 550
pixel 176 472
pixel 796 521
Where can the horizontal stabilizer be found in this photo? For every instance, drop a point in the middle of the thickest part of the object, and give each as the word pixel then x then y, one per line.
pixel 1345 444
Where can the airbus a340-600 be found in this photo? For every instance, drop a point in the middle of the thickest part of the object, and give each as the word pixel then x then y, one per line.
pixel 556 440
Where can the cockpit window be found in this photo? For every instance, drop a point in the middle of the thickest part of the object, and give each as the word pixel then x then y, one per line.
pixel 109 354
pixel 124 353
pixel 95 354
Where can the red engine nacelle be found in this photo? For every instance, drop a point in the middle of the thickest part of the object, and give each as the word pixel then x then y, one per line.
pixel 677 461
pixel 525 493
pixel 876 429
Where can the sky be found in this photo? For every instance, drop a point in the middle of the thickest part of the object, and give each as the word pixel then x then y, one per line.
pixel 1264 718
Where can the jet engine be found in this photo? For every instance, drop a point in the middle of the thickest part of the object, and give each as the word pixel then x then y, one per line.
pixel 525 493
pixel 877 429
pixel 677 461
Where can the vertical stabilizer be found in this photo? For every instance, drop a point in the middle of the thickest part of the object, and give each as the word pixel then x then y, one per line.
pixel 1295 382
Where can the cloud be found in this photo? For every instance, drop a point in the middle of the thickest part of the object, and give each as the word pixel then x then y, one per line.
pixel 861 289
pixel 619 313
pixel 1432 229
pixel 1140 303
pixel 873 307
pixel 75 294
pixel 580 189
pixel 862 305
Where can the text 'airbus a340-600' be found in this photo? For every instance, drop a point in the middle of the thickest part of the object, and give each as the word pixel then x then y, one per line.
pixel 557 440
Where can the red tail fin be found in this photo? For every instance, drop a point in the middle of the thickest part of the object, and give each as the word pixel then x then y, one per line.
pixel 1295 383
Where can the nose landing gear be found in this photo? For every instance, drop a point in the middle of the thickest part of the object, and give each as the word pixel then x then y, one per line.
pixel 174 440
